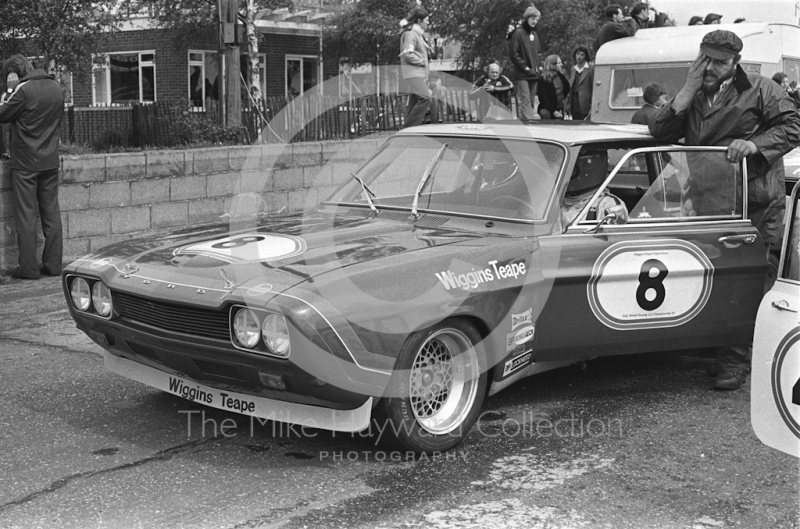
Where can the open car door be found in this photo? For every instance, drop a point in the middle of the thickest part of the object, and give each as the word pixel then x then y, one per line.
pixel 775 397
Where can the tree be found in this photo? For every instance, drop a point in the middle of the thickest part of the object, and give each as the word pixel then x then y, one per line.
pixel 369 31
pixel 63 33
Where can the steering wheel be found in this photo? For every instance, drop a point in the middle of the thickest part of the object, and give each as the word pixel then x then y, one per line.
pixel 524 209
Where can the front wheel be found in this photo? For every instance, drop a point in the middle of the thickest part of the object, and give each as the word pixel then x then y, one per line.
pixel 437 388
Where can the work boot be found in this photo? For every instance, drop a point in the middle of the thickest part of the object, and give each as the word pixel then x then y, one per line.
pixel 713 370
pixel 729 380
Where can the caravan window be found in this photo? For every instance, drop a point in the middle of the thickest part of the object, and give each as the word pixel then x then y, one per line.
pixel 628 84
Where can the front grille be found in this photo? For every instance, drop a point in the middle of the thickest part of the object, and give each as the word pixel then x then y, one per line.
pixel 172 317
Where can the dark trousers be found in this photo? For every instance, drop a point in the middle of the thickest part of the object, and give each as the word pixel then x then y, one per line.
pixel 419 101
pixel 37 191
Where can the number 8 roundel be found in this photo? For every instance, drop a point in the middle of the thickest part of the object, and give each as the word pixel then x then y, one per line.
pixel 248 247
pixel 649 284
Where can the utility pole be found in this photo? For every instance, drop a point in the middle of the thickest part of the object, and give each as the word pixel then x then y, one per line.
pixel 229 46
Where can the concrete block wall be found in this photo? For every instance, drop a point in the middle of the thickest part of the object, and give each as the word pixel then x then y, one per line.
pixel 106 198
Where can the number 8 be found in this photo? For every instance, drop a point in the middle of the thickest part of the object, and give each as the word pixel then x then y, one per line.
pixel 656 283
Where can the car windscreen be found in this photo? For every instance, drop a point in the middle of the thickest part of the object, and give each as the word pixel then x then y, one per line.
pixel 628 83
pixel 468 175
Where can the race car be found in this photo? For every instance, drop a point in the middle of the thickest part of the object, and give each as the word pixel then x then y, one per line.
pixel 775 394
pixel 458 259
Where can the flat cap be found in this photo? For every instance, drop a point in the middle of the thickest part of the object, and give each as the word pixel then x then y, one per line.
pixel 711 17
pixel 721 44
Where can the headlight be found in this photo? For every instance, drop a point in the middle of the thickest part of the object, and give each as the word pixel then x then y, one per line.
pixel 101 299
pixel 246 328
pixel 276 334
pixel 81 294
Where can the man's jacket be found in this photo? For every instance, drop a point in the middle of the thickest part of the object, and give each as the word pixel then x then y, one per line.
pixel 413 53
pixel 34 108
pixel 614 30
pixel 753 108
pixel 582 84
pixel 523 51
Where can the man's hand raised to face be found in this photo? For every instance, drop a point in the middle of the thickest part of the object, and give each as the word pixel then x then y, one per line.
pixel 694 81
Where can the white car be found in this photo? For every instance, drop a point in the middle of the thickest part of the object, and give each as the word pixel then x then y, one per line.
pixel 775 399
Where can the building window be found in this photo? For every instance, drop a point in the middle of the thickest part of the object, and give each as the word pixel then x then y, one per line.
pixel 124 79
pixel 301 74
pixel 203 79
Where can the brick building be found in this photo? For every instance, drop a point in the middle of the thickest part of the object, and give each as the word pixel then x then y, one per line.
pixel 144 64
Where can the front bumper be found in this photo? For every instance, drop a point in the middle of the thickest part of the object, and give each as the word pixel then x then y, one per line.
pixel 264 408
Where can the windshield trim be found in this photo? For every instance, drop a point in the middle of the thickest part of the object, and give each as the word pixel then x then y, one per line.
pixel 545 214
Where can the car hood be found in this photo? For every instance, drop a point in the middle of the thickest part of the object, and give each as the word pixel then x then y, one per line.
pixel 282 252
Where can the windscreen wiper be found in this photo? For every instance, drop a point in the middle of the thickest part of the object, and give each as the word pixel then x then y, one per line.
pixel 428 172
pixel 367 192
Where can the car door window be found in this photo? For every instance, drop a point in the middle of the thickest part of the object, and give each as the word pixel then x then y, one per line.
pixel 791 260
pixel 677 185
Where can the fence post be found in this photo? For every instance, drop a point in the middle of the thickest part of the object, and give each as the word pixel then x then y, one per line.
pixel 71 120
pixel 137 142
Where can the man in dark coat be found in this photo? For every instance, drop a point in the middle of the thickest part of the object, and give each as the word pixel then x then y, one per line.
pixel 523 51
pixel 616 27
pixel 581 82
pixel 34 109
pixel 722 105
pixel 655 97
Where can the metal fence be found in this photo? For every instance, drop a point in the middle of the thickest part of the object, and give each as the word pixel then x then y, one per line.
pixel 271 120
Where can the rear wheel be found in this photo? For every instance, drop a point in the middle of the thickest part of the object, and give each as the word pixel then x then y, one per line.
pixel 437 388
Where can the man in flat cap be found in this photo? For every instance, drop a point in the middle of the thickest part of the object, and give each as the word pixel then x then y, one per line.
pixel 722 105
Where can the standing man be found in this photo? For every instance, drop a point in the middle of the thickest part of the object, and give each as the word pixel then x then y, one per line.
pixel 581 82
pixel 490 89
pixel 614 28
pixel 414 66
pixel 34 109
pixel 523 51
pixel 722 105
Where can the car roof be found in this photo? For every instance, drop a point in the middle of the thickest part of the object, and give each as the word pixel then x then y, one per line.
pixel 566 132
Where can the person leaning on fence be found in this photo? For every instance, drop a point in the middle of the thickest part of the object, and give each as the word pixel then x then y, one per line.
pixel 34 109
pixel 414 66
pixel 490 90
pixel 523 52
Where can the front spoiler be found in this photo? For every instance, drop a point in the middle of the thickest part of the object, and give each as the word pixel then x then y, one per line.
pixel 276 410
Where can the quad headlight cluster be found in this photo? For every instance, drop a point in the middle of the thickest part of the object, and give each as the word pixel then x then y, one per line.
pixel 252 328
pixel 91 296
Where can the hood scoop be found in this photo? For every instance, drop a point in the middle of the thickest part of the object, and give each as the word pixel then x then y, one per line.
pixel 424 221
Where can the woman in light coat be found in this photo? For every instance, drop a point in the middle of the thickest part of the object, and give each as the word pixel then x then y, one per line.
pixel 414 66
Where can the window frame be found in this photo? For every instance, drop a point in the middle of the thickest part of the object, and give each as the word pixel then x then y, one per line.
pixel 791 241
pixel 105 67
pixel 581 221
pixel 635 67
pixel 294 57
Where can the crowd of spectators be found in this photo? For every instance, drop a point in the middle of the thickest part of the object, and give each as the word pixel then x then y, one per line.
pixel 547 89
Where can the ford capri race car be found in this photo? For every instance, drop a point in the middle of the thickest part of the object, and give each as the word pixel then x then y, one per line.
pixel 457 260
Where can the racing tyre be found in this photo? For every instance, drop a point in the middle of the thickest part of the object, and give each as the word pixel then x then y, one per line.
pixel 437 388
